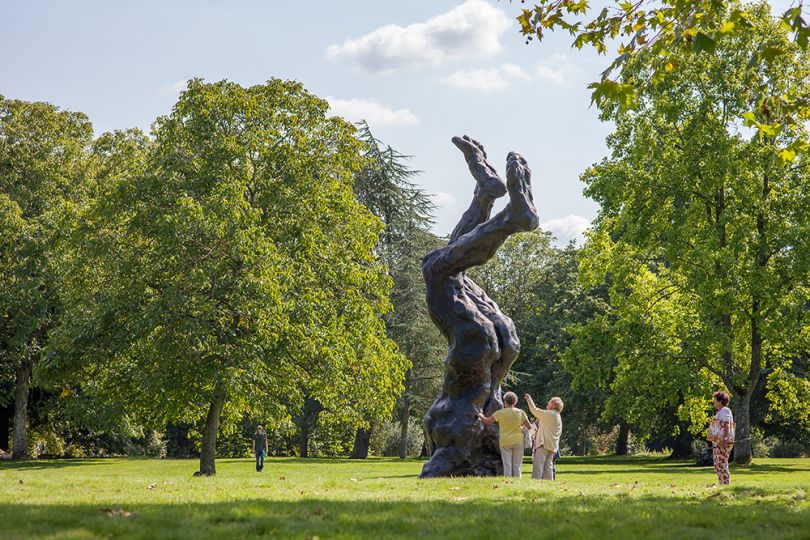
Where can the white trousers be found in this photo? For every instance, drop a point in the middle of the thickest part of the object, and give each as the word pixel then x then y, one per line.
pixel 543 464
pixel 512 457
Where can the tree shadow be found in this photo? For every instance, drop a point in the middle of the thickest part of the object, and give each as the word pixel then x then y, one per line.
pixel 42 464
pixel 592 516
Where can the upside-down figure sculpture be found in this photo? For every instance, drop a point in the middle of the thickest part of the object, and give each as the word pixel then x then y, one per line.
pixel 483 342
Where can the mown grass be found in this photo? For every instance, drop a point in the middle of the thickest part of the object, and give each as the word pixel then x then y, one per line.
pixel 381 498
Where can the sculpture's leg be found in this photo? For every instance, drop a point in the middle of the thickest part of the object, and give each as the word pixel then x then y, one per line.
pixel 488 186
pixel 478 341
pixel 479 244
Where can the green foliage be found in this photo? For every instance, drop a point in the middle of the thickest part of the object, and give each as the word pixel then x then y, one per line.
pixel 671 35
pixel 43 186
pixel 700 234
pixel 228 255
pixel 385 187
pixel 42 169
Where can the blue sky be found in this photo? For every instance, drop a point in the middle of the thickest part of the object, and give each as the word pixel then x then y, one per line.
pixel 418 71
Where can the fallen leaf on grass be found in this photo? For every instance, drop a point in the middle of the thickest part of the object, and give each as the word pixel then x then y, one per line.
pixel 151 486
pixel 711 485
pixel 118 512
pixel 282 478
pixel 614 485
pixel 22 482
pixel 495 486
pixel 354 479
pixel 454 488
pixel 673 485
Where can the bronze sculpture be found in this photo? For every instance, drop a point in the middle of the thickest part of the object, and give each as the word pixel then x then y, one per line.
pixel 482 340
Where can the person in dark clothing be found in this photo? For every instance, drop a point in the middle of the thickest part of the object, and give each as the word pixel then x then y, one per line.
pixel 260 447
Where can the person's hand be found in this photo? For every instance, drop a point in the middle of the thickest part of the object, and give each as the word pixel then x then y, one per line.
pixel 527 397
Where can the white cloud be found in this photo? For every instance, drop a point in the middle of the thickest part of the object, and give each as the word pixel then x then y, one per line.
pixel 571 227
pixel 557 69
pixel 443 200
pixel 373 112
pixel 515 71
pixel 173 88
pixel 471 30
pixel 486 80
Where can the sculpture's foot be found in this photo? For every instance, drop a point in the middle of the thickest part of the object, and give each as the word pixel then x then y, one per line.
pixel 522 212
pixel 489 184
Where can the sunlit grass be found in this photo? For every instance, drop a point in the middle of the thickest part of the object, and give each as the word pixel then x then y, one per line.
pixel 293 498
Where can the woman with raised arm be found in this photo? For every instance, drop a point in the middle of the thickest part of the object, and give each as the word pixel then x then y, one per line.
pixel 546 438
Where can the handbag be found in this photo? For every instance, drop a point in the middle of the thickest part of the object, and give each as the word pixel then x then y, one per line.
pixel 721 432
pixel 527 438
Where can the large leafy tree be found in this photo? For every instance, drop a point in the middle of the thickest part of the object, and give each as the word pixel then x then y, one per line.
pixel 43 181
pixel 694 209
pixel 633 353
pixel 234 271
pixel 671 34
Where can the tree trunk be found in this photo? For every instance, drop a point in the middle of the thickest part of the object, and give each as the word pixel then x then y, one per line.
pixel 23 376
pixel 6 414
pixel 682 445
pixel 741 402
pixel 740 408
pixel 403 429
pixel 208 453
pixel 361 443
pixel 308 418
pixel 303 444
pixel 623 440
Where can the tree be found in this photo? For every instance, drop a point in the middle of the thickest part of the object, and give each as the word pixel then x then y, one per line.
pixel 670 34
pixel 634 353
pixel 234 271
pixel 43 173
pixel 385 187
pixel 698 216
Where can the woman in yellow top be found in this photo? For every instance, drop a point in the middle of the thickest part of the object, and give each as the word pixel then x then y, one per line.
pixel 511 422
pixel 547 437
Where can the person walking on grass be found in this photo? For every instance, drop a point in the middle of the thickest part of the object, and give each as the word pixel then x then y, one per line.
pixel 721 434
pixel 511 422
pixel 260 447
pixel 546 438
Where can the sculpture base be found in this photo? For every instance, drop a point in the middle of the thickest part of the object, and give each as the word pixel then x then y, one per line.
pixel 461 445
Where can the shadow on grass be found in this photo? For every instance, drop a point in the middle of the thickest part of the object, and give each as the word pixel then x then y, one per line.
pixel 725 515
pixel 42 464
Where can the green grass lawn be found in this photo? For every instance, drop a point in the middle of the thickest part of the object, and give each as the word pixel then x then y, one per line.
pixel 593 498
